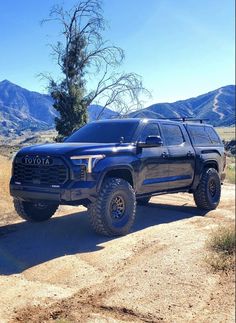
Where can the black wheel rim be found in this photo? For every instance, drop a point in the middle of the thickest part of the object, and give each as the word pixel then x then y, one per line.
pixel 212 188
pixel 117 207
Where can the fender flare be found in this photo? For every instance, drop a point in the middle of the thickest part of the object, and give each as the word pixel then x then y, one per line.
pixel 198 176
pixel 115 168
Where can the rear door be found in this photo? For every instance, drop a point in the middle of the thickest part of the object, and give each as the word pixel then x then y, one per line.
pixel 181 155
pixel 154 168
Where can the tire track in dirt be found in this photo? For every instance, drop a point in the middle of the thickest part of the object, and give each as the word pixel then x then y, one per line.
pixel 80 308
pixel 92 298
pixel 155 274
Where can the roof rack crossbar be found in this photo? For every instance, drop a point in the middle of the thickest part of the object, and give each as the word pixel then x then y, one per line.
pixel 186 119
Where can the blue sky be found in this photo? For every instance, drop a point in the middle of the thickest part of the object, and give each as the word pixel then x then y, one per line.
pixel 181 48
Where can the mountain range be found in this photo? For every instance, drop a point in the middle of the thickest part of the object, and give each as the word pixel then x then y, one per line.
pixel 21 109
pixel 216 107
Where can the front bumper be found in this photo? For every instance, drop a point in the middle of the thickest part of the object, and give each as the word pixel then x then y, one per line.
pixel 71 193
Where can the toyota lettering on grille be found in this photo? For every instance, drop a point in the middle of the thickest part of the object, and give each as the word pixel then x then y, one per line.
pixel 35 160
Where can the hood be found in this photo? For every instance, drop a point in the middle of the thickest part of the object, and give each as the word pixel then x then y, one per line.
pixel 76 149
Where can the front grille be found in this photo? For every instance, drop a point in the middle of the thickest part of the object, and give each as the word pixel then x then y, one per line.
pixel 55 174
pixel 79 173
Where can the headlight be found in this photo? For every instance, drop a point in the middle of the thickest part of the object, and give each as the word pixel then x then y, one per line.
pixel 89 161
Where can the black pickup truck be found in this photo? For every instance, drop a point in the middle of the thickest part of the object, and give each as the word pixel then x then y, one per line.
pixel 110 165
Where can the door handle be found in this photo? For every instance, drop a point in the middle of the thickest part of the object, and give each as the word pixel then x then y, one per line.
pixel 190 154
pixel 164 155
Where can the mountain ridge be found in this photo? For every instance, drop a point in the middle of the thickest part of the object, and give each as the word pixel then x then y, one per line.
pixel 21 109
pixel 219 102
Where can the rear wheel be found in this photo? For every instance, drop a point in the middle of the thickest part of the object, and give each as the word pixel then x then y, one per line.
pixel 207 195
pixel 113 213
pixel 34 211
pixel 143 200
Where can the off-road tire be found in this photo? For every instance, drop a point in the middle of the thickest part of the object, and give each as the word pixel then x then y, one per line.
pixel 143 200
pixel 101 212
pixel 34 212
pixel 204 197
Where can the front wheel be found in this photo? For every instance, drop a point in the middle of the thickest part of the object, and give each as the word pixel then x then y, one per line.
pixel 207 195
pixel 34 211
pixel 113 213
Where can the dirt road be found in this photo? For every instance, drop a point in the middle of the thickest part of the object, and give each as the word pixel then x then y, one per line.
pixel 216 104
pixel 60 270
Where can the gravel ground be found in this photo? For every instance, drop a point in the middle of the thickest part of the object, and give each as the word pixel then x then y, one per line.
pixel 61 271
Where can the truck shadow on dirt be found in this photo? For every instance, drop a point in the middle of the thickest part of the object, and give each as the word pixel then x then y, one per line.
pixel 24 245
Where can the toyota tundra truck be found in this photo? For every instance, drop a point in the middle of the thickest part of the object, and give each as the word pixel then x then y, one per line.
pixel 109 166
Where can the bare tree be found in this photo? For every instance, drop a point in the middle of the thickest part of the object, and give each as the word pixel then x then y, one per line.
pixel 82 53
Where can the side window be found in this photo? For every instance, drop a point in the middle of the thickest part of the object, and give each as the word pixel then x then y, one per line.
pixel 199 135
pixel 172 134
pixel 151 129
pixel 213 135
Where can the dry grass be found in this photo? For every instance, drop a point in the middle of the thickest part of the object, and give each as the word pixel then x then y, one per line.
pixel 226 133
pixel 5 173
pixel 221 244
pixel 230 174
pixel 230 170
pixel 29 138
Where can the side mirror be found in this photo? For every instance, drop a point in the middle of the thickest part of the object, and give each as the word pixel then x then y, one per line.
pixel 151 141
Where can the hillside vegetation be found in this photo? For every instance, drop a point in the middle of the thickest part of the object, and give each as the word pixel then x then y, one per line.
pixel 217 107
pixel 22 110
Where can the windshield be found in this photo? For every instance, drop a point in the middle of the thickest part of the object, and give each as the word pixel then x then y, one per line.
pixel 105 132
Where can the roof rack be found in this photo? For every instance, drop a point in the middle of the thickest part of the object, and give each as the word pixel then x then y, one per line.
pixel 184 119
